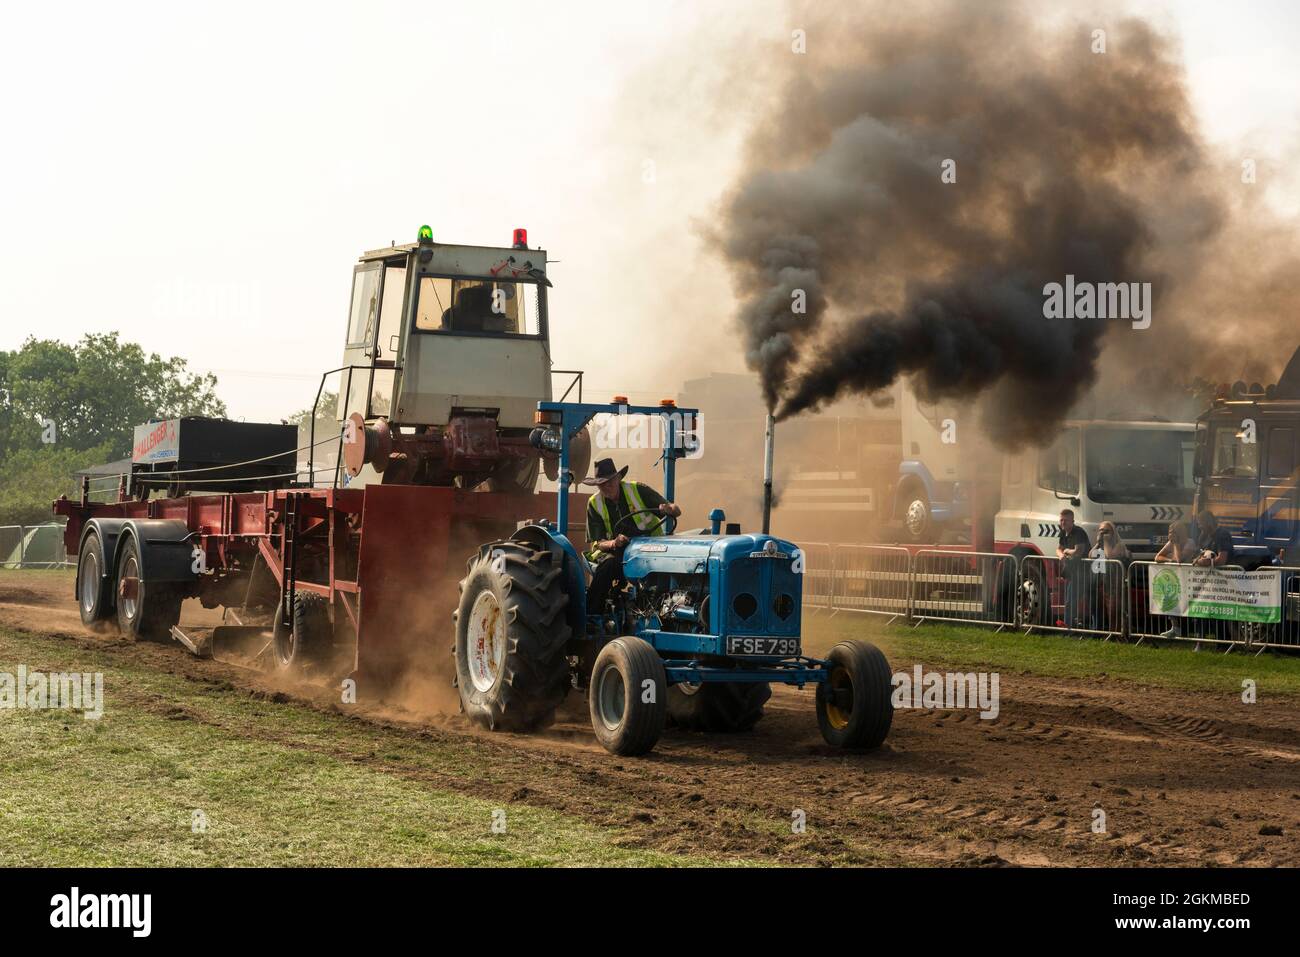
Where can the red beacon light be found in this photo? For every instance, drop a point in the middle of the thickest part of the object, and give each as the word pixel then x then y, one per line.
pixel 521 239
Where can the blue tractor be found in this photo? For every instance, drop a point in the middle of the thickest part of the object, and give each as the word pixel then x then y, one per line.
pixel 702 624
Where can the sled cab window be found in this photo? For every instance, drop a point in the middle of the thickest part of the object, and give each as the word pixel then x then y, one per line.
pixel 365 304
pixel 478 307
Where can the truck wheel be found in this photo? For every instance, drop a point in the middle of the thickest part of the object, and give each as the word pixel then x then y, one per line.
pixel 1035 599
pixel 854 706
pixel 94 590
pixel 146 611
pixel 512 667
pixel 726 706
pixel 916 514
pixel 309 644
pixel 628 696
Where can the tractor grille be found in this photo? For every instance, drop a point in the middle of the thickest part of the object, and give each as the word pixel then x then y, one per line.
pixel 763 597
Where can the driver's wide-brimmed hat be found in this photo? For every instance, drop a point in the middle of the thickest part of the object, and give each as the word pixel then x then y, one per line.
pixel 605 471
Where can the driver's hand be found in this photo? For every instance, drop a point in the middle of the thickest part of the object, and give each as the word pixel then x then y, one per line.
pixel 620 541
pixel 668 508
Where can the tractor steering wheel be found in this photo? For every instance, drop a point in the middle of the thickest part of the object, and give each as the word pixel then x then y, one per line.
pixel 652 529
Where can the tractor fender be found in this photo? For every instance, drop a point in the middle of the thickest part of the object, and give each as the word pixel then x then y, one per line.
pixel 576 573
pixel 166 548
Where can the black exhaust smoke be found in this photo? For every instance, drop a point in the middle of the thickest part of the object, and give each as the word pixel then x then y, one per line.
pixel 927 172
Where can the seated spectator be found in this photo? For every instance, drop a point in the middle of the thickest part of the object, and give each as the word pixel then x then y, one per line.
pixel 1178 550
pixel 1213 542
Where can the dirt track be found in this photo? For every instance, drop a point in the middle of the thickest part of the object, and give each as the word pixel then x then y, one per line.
pixel 1184 778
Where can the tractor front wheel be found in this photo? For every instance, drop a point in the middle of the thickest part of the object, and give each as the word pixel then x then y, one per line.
pixel 512 667
pixel 628 696
pixel 854 706
pixel 718 706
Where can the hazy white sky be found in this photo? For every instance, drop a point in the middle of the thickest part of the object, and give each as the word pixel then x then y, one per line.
pixel 201 177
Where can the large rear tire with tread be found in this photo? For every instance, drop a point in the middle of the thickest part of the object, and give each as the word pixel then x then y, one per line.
pixel 628 696
pixel 156 607
pixel 94 588
pixel 512 634
pixel 729 707
pixel 854 705
pixel 307 646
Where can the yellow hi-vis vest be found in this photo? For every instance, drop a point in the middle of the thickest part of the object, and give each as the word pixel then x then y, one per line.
pixel 598 505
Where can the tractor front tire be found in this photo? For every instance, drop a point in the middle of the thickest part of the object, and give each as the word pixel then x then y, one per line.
pixel 308 645
pixel 628 696
pixel 512 666
pixel 730 707
pixel 155 607
pixel 854 705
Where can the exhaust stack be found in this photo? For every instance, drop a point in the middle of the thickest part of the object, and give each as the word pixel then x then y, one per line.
pixel 769 439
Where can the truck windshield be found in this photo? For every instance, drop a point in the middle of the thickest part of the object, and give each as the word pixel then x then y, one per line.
pixel 1139 466
pixel 477 307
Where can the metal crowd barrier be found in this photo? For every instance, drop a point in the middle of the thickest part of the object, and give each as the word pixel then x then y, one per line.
pixel 818 575
pixel 875 579
pixel 1084 596
pixel 1092 596
pixel 1143 623
pixel 979 587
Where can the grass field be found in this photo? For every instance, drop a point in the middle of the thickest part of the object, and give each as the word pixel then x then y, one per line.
pixel 277 782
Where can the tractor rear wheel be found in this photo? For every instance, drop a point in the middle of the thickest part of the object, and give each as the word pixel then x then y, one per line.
pixel 628 696
pixel 726 706
pixel 146 611
pixel 854 704
pixel 94 589
pixel 307 645
pixel 512 666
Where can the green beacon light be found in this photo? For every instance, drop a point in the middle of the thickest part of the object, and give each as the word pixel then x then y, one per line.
pixel 426 234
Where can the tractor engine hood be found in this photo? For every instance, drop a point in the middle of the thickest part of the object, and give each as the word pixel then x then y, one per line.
pixel 690 554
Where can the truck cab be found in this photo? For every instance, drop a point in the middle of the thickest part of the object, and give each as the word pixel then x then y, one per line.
pixel 1248 446
pixel 1137 474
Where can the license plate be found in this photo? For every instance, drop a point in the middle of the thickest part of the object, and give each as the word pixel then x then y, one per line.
pixel 768 647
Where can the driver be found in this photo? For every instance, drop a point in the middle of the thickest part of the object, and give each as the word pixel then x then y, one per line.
pixel 616 508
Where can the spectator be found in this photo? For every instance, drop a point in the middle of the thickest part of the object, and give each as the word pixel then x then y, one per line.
pixel 1111 559
pixel 1213 542
pixel 1178 550
pixel 1071 549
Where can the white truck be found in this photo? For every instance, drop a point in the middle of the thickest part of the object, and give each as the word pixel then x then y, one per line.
pixel 1136 473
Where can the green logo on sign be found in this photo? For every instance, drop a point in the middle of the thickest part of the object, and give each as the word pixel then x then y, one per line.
pixel 1166 588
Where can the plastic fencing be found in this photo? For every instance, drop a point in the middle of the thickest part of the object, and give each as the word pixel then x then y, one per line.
pixel 33 546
